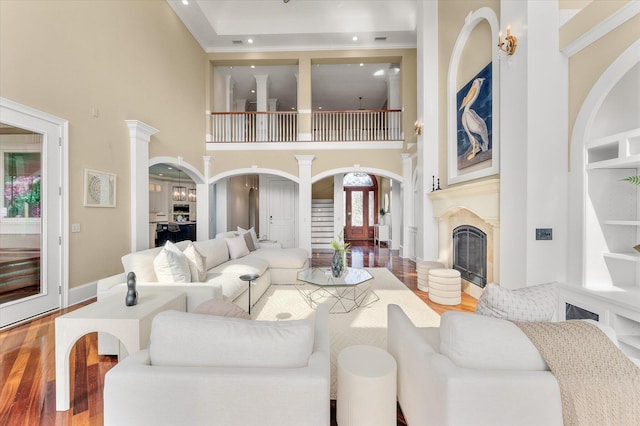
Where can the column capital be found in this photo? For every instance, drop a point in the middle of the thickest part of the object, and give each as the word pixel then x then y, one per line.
pixel 305 159
pixel 142 132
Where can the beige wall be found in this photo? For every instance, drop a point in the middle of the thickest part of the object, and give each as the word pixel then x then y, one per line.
pixel 586 67
pixel 476 54
pixel 130 60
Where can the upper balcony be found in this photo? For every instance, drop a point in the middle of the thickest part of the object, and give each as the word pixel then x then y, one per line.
pixel 327 127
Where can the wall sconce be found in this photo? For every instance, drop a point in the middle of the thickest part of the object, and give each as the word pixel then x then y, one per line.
pixel 418 127
pixel 509 44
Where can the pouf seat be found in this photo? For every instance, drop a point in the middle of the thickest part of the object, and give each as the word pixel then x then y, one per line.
pixel 366 393
pixel 445 286
pixel 422 270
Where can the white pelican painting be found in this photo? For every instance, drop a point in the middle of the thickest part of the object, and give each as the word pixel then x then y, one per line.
pixel 474 120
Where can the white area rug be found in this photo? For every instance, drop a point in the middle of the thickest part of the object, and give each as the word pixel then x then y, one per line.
pixel 363 326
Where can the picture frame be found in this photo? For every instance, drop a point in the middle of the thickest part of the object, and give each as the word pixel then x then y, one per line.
pixel 99 189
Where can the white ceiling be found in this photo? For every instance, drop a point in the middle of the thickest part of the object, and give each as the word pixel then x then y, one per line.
pixel 304 25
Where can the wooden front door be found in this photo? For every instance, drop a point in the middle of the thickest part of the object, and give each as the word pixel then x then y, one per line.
pixel 360 204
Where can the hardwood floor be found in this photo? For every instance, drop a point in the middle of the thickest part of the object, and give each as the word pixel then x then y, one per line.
pixel 27 361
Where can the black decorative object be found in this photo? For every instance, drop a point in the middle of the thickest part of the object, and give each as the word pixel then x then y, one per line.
pixel 337 266
pixel 438 188
pixel 433 183
pixel 132 293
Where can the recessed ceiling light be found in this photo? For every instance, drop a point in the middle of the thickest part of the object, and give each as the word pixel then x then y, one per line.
pixel 361 64
pixel 170 168
pixel 293 108
pixel 160 174
pixel 253 66
pixel 378 73
pixel 185 2
pixel 250 40
pixel 355 38
pixel 253 90
pixel 319 107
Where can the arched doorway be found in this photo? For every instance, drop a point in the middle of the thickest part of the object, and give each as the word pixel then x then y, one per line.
pixel 361 205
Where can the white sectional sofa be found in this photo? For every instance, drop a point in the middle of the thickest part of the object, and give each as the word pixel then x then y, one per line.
pixel 211 370
pixel 274 265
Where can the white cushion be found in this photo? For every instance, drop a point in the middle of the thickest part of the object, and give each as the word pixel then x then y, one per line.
pixel 535 303
pixel 188 339
pixel 215 250
pixel 171 265
pixel 252 231
pixel 476 341
pixel 237 247
pixel 197 263
pixel 289 258
pixel 221 308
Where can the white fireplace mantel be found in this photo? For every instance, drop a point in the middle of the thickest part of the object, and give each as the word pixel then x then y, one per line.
pixel 476 204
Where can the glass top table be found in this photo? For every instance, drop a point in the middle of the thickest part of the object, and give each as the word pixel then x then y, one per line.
pixel 343 294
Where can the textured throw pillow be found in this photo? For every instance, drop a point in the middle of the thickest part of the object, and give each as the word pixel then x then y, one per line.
pixel 171 265
pixel 249 241
pixel 535 303
pixel 237 247
pixel 251 231
pixel 197 263
pixel 222 308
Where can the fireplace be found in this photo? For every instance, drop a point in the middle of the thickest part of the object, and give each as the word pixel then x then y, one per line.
pixel 473 205
pixel 470 254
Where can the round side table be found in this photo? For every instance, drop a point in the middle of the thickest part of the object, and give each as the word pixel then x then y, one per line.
pixel 366 395
pixel 249 278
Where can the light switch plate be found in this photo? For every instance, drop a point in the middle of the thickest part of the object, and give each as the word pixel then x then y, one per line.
pixel 75 227
pixel 544 233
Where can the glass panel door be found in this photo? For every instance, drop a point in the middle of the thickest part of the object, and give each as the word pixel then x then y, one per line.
pixel 31 272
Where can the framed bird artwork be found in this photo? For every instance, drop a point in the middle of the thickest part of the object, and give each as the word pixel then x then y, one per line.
pixel 475 111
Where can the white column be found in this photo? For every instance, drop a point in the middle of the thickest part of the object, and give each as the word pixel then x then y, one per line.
pixel 304 200
pixel 140 136
pixel 428 107
pixel 220 211
pixel 204 224
pixel 241 105
pixel 393 90
pixel 262 98
pixel 229 86
pixel 396 219
pixel 407 205
pixel 338 205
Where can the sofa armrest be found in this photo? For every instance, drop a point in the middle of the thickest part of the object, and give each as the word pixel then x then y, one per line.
pixel 269 244
pixel 105 284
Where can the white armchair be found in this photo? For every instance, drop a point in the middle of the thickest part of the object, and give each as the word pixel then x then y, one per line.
pixel 208 370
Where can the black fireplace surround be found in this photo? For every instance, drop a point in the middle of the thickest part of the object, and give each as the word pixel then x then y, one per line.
pixel 470 254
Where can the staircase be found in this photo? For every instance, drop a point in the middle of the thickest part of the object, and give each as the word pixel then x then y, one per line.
pixel 321 224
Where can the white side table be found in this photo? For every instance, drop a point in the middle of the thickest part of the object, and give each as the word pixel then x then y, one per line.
pixel 380 233
pixel 366 393
pixel 130 324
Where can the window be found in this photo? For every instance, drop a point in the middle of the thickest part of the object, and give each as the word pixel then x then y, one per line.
pixel 21 189
pixel 357 179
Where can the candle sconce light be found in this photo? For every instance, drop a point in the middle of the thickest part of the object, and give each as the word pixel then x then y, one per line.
pixel 509 44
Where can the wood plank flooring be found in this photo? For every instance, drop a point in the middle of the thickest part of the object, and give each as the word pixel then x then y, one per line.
pixel 27 360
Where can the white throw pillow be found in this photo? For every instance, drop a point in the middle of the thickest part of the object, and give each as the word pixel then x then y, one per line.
pixel 254 237
pixel 237 247
pixel 479 342
pixel 197 263
pixel 171 265
pixel 535 303
pixel 189 339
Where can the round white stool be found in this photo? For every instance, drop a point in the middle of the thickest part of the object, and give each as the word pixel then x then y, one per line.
pixel 445 286
pixel 422 270
pixel 366 393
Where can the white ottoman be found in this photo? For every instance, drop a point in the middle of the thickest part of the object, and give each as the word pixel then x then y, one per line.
pixel 422 270
pixel 366 393
pixel 445 286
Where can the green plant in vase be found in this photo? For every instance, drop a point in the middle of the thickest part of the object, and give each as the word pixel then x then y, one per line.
pixel 339 260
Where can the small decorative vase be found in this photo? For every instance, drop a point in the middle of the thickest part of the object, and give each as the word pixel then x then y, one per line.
pixel 337 266
pixel 132 293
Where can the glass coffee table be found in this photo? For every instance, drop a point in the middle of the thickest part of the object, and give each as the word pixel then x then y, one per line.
pixel 343 294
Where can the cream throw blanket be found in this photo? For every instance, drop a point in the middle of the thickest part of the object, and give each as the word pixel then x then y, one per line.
pixel 599 385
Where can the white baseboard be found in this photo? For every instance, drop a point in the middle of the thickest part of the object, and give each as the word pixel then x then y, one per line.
pixel 81 293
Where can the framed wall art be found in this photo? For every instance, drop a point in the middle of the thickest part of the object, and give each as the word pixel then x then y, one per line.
pixel 99 189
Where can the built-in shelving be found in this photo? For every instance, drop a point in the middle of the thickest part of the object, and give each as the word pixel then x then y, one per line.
pixel 619 151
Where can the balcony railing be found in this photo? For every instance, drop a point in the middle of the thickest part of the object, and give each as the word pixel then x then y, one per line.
pixel 327 126
pixel 367 125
